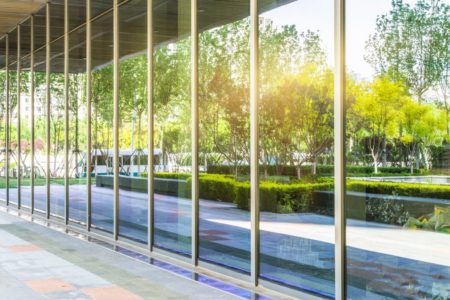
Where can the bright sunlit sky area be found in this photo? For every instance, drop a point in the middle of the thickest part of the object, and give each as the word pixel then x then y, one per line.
pixel 317 15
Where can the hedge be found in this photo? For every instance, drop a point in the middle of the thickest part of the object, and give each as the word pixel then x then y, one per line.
pixel 403 189
pixel 327 170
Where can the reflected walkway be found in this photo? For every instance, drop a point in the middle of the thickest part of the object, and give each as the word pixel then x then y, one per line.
pixel 302 242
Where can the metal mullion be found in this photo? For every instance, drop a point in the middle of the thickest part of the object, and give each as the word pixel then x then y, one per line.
pixel 66 111
pixel 32 99
pixel 18 86
pixel 195 131
pixel 89 113
pixel 150 112
pixel 7 123
pixel 254 139
pixel 48 100
pixel 339 149
pixel 116 117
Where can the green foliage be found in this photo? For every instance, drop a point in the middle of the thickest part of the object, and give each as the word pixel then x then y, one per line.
pixel 403 189
pixel 438 221
pixel 387 211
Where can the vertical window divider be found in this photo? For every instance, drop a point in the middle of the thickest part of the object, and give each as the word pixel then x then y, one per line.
pixel 339 150
pixel 254 140
pixel 116 117
pixel 66 112
pixel 89 114
pixel 18 107
pixel 32 99
pixel 195 131
pixel 150 125
pixel 48 106
pixel 7 123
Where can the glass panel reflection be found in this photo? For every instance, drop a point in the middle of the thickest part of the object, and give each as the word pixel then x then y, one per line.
pixel 40 131
pixel 398 207
pixel 172 129
pixel 57 104
pixel 102 123
pixel 77 126
pixel 296 144
pixel 224 134
pixel 133 195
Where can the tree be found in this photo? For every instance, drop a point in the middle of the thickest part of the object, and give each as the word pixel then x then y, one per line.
pixel 377 108
pixel 409 44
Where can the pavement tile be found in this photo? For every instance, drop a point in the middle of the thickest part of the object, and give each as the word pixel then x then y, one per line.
pixel 49 285
pixel 24 248
pixel 110 293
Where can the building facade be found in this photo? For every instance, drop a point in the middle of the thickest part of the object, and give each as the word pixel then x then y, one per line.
pixel 292 145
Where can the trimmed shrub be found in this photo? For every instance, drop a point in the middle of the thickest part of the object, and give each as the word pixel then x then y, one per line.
pixel 404 189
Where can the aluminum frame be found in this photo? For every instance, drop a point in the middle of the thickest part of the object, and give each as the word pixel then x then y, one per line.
pixel 32 99
pixel 66 111
pixel 150 124
pixel 18 87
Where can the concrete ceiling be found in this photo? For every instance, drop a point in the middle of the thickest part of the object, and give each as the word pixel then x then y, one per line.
pixel 12 12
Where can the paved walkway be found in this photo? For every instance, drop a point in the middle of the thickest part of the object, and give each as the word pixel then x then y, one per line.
pixel 40 263
pixel 296 249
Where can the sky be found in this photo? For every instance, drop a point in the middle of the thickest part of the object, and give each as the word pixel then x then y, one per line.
pixel 317 15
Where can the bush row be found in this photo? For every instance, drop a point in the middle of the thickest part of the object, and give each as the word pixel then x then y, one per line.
pixel 327 170
pixel 403 189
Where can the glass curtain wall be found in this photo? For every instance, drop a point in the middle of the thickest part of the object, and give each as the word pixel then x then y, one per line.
pixel 224 101
pixel 133 154
pixel 78 114
pixel 172 126
pixel 296 144
pixel 398 213
pixel 102 189
pixel 25 115
pixel 397 136
pixel 13 169
pixel 3 108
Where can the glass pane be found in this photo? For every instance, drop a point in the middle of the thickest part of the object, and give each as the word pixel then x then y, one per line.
pixel 57 103
pixel 296 145
pixel 172 132
pixel 398 186
pixel 133 121
pixel 77 126
pixel 102 123
pixel 40 131
pixel 13 138
pixel 224 133
pixel 25 115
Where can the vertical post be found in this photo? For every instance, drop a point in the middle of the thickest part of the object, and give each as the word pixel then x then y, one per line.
pixel 19 148
pixel 339 149
pixel 195 130
pixel 66 112
pixel 89 113
pixel 32 99
pixel 116 117
pixel 48 106
pixel 150 125
pixel 254 139
pixel 8 104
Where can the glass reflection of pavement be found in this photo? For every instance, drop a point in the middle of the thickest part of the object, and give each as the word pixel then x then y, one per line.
pixel 304 239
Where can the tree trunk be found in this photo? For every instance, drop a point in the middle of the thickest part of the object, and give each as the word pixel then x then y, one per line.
pixel 299 172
